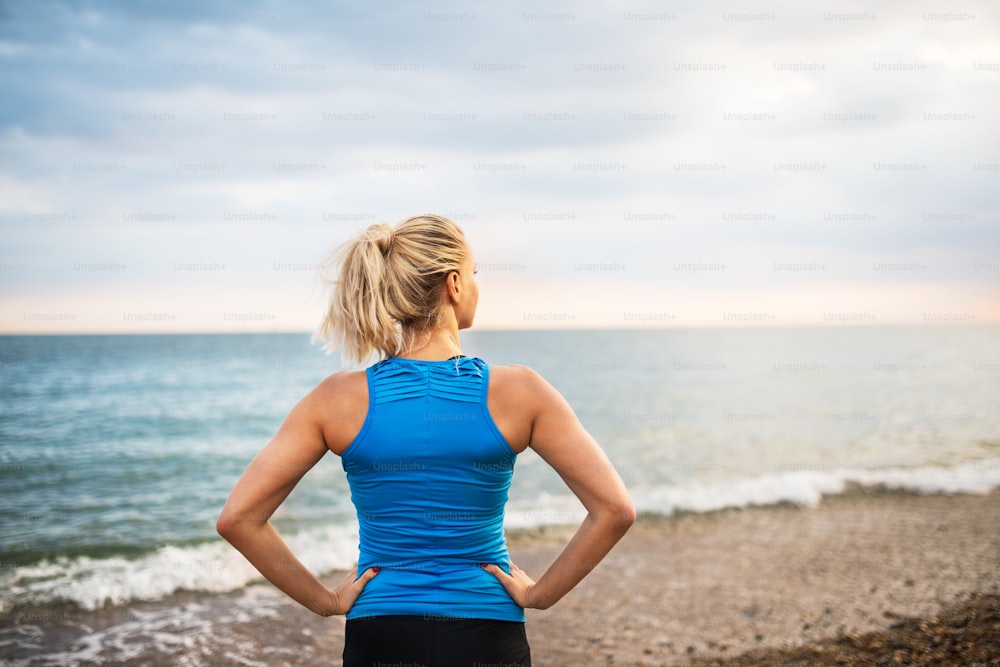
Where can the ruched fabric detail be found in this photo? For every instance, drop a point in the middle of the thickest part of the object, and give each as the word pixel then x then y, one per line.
pixel 459 379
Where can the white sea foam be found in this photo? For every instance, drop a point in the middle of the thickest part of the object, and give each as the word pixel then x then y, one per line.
pixel 806 488
pixel 190 632
pixel 803 488
pixel 215 567
pixel 544 510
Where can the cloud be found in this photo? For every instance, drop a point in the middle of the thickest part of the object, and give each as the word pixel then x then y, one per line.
pixel 658 140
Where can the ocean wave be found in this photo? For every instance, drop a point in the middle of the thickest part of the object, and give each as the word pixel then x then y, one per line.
pixel 806 488
pixel 215 566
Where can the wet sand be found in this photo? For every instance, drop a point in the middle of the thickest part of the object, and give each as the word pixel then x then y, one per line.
pixel 865 578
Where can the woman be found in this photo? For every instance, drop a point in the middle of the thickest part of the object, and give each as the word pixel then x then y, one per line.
pixel 428 439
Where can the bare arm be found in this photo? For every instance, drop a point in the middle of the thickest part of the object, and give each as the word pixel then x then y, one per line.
pixel 245 519
pixel 560 439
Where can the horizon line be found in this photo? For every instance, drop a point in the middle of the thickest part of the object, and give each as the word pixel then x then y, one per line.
pixel 501 329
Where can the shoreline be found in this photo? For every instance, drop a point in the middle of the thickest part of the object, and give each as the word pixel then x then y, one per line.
pixel 772 584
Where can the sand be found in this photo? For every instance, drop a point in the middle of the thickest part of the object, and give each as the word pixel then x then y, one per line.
pixel 865 578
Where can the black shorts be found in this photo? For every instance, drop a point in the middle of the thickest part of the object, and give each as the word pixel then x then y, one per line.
pixel 417 641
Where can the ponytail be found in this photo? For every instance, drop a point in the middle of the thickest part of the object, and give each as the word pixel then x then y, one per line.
pixel 389 285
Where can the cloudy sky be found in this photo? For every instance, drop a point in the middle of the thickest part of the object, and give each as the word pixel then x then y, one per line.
pixel 186 166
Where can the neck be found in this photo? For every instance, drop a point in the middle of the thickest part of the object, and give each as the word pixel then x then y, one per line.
pixel 433 345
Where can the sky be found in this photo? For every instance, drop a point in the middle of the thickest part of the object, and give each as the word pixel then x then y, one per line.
pixel 188 166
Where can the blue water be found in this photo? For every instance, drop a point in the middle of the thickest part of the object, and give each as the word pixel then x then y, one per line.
pixel 117 452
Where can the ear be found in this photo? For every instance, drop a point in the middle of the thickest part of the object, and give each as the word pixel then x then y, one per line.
pixel 453 287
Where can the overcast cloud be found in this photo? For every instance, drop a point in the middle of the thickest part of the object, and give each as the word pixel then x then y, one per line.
pixel 185 167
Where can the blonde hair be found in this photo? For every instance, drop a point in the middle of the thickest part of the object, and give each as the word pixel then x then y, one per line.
pixel 389 285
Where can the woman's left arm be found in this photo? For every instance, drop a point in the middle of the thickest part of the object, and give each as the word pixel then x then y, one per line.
pixel 245 519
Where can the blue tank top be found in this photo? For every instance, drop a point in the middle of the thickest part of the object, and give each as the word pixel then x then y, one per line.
pixel 429 474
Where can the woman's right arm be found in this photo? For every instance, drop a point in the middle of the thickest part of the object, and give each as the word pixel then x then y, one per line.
pixel 561 440
pixel 299 444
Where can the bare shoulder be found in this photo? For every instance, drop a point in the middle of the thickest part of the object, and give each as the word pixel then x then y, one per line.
pixel 516 384
pixel 513 375
pixel 518 396
pixel 525 385
pixel 340 404
pixel 343 382
pixel 522 377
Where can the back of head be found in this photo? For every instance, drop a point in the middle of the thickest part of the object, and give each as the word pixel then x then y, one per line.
pixel 389 285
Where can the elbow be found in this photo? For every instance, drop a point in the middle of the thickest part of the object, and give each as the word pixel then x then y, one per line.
pixel 625 516
pixel 225 527
pixel 234 523
pixel 621 515
pixel 618 517
pixel 229 524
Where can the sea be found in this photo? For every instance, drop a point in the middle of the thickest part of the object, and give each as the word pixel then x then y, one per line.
pixel 118 451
